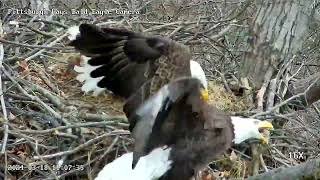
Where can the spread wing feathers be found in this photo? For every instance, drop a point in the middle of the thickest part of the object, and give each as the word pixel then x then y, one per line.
pixel 156 109
pixel 115 59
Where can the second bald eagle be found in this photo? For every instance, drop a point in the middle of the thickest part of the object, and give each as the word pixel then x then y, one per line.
pixel 178 133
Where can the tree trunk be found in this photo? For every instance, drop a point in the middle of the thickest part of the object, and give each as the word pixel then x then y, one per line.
pixel 42 6
pixel 278 30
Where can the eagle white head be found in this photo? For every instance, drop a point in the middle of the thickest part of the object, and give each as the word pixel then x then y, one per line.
pixel 197 72
pixel 248 128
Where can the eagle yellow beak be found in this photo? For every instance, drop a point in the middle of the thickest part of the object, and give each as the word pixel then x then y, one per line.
pixel 264 135
pixel 204 94
pixel 265 125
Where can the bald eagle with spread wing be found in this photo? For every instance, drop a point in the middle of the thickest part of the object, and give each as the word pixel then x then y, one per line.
pixel 178 133
pixel 129 64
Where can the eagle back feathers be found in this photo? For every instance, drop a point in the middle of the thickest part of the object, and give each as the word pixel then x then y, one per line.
pixel 200 137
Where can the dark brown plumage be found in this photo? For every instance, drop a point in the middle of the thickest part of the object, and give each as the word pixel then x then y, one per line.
pixel 126 61
pixel 196 131
pixel 199 145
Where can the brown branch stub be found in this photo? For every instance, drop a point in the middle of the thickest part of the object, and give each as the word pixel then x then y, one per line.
pixel 312 93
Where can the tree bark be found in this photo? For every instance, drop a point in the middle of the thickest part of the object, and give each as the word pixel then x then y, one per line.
pixel 308 170
pixel 277 33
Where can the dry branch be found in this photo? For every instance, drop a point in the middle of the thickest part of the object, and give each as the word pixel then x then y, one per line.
pixel 3 106
pixel 33 46
pixel 299 95
pixel 75 150
pixel 307 170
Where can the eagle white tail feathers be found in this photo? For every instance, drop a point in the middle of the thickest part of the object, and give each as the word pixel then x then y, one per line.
pixel 73 32
pixel 89 83
pixel 84 70
pixel 149 167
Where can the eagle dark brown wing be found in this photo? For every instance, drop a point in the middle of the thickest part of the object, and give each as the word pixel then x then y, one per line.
pixel 123 61
pixel 119 58
pixel 176 116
